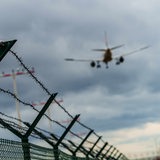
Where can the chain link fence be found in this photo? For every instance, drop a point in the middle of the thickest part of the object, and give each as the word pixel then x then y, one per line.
pixel 12 150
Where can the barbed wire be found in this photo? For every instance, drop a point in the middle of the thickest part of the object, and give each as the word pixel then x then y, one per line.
pixel 23 129
pixel 32 75
pixel 48 92
pixel 45 89
pixel 28 104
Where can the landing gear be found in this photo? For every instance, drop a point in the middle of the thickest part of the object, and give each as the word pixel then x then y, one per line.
pixel 107 65
pixel 118 63
pixel 98 64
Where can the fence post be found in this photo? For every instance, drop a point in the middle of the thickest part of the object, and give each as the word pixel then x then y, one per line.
pixel 55 146
pixel 97 155
pixel 82 149
pixel 119 156
pixel 114 156
pixel 93 146
pixel 24 138
pixel 39 116
pixel 26 149
pixel 45 139
pixel 63 144
pixel 56 152
pixel 67 129
pixel 107 151
pixel 109 157
pixel 80 145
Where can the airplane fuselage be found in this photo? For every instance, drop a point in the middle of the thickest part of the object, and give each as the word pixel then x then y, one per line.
pixel 107 56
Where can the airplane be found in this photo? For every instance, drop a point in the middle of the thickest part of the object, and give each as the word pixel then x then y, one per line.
pixel 107 56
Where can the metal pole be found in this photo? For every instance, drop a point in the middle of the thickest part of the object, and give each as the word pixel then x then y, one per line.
pixel 55 148
pixel 110 156
pixel 67 129
pixel 119 156
pixel 97 155
pixel 13 75
pixel 107 151
pixel 63 144
pixel 115 153
pixel 16 94
pixel 91 131
pixel 39 116
pixel 48 111
pixel 82 149
pixel 94 145
pixel 26 149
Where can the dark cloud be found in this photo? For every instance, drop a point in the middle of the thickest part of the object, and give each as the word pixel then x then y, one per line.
pixel 126 95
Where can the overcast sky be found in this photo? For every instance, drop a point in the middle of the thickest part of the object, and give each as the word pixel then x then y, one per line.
pixel 120 103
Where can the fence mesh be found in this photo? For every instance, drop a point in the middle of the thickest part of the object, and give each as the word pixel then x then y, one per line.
pixel 12 150
pixel 38 152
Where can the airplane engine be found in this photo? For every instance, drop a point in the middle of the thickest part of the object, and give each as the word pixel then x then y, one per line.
pixel 92 64
pixel 120 60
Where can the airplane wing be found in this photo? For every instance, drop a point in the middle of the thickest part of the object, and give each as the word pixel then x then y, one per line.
pixel 103 50
pixel 82 60
pixel 126 54
pixel 117 47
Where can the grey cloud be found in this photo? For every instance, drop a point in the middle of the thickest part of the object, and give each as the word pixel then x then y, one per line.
pixel 108 99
